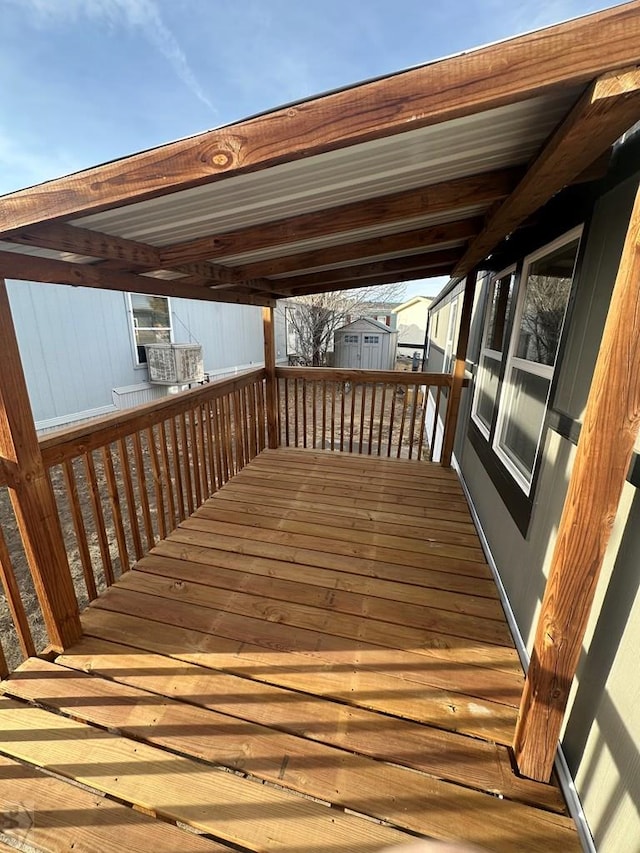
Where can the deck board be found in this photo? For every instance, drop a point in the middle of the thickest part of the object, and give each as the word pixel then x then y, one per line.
pixel 326 625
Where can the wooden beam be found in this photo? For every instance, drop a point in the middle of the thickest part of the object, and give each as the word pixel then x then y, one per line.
pixel 607 439
pixel 407 241
pixel 457 380
pixel 609 108
pixel 423 261
pixel 364 281
pixel 121 255
pixel 32 495
pixel 567 54
pixel 446 197
pixel 32 268
pixel 271 383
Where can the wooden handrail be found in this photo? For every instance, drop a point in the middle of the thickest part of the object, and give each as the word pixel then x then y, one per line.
pixel 337 374
pixel 57 446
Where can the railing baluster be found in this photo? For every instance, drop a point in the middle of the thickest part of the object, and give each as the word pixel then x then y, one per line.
pixel 217 433
pixel 344 391
pixel 392 417
pixel 304 412
pixel 333 415
pixel 286 409
pixel 403 419
pixel 313 413
pixel 324 414
pixel 211 453
pixel 202 452
pixel 363 405
pixel 352 419
pixel 132 508
pixel 116 510
pixel 166 473
pixel 175 450
pixel 186 461
pixel 435 424
pixel 233 460
pixel 157 481
pixel 261 415
pixel 237 430
pixel 295 413
pixel 423 417
pixel 371 416
pixel 4 668
pixel 98 517
pixel 383 403
pixel 412 425
pixel 15 605
pixel 142 490
pixel 80 529
pixel 195 457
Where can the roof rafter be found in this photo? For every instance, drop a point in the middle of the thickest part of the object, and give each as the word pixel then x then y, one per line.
pixel 410 204
pixel 368 281
pixel 569 53
pixel 31 268
pixel 609 107
pixel 420 238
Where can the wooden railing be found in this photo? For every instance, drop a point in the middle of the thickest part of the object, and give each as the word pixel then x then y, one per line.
pixel 380 413
pixel 125 481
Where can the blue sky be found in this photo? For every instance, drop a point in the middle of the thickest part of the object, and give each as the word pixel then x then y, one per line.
pixel 86 81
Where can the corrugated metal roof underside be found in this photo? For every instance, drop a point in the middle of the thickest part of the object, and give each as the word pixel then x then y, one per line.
pixel 345 237
pixel 493 139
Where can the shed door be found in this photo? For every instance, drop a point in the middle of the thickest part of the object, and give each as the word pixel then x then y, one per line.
pixel 351 351
pixel 370 352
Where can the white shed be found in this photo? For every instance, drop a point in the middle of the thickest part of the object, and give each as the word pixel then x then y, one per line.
pixel 365 344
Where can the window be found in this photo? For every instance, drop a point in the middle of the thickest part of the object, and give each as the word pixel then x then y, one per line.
pixel 372 339
pixel 151 318
pixel 518 354
pixel 493 339
pixel 351 339
pixel 452 329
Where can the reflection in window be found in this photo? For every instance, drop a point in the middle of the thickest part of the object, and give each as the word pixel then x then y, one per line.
pixel 151 322
pixel 498 313
pixel 542 304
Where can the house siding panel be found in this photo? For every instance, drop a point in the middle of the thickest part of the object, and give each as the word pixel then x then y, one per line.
pixel 601 738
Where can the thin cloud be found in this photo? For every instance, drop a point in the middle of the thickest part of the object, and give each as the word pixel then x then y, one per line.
pixel 135 15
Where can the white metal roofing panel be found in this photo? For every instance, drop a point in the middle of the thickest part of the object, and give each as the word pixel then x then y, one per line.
pixel 371 231
pixel 52 254
pixel 488 140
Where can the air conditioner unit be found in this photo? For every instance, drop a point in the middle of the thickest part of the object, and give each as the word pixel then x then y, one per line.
pixel 175 364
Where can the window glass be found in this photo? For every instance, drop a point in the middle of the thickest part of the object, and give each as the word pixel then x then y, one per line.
pixel 522 424
pixel 151 322
pixel 371 339
pixel 499 307
pixel 351 339
pixel 547 294
pixel 487 390
pixel 542 304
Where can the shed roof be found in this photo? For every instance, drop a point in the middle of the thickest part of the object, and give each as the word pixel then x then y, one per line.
pixel 417 174
pixel 363 324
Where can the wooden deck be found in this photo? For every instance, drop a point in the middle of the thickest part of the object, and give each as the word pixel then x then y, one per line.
pixel 324 631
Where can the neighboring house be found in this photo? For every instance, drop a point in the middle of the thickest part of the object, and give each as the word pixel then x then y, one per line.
pixel 411 322
pixel 535 335
pixel 83 349
pixel 383 312
pixel 365 344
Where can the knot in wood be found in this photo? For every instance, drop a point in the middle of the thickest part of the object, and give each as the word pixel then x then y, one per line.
pixel 222 159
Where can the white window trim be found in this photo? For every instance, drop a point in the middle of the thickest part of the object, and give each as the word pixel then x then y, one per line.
pixel 485 352
pixel 543 370
pixel 452 327
pixel 138 365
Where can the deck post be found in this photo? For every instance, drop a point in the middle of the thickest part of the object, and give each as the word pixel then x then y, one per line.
pixel 457 378
pixel 603 455
pixel 271 381
pixel 31 493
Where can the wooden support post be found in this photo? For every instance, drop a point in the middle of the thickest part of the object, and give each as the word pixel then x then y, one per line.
pixel 607 439
pixel 271 382
pixel 32 495
pixel 457 379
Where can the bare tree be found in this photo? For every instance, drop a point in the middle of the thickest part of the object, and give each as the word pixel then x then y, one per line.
pixel 317 317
